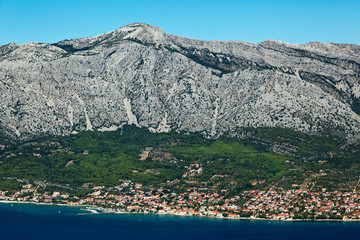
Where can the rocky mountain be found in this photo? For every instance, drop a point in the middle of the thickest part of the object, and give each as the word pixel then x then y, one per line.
pixel 140 75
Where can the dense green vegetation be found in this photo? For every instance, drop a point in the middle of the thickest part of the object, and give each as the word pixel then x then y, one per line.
pixel 6 184
pixel 103 158
pixel 304 146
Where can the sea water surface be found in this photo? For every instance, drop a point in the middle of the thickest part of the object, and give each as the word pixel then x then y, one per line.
pixel 29 221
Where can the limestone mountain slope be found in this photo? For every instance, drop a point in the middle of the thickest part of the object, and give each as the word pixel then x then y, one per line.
pixel 140 75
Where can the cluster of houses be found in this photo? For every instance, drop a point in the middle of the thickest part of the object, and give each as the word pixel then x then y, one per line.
pixel 29 194
pixel 133 197
pixel 302 204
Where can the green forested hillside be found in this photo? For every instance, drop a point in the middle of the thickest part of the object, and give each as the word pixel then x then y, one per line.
pixel 183 160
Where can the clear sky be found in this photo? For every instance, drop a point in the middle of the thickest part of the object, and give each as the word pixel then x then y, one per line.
pixel 291 21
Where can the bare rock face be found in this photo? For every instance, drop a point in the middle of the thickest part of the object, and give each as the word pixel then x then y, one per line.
pixel 140 75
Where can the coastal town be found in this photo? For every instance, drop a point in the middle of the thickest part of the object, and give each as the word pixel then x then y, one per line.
pixel 130 197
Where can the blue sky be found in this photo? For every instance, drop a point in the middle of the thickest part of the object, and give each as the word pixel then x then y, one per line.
pixel 246 20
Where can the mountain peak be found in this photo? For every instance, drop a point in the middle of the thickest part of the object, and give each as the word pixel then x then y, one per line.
pixel 140 25
pixel 140 32
pixel 144 33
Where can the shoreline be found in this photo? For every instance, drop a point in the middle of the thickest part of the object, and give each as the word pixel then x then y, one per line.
pixel 179 215
pixel 46 204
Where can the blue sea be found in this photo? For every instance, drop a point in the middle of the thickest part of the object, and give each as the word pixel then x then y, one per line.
pixel 28 221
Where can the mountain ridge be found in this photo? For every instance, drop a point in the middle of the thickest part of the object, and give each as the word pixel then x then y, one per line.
pixel 140 75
